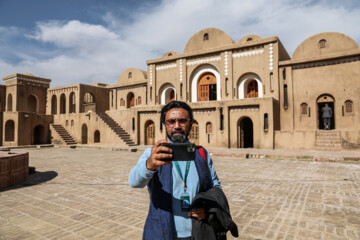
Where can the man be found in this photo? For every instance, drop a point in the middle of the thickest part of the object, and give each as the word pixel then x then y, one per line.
pixel 169 185
pixel 326 115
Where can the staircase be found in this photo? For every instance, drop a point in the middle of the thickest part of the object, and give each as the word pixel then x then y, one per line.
pixel 116 128
pixel 69 140
pixel 329 140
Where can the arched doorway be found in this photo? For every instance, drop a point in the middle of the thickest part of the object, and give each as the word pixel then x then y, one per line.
pixel 320 102
pixel 32 104
pixel 130 100
pixel 245 133
pixel 194 133
pixel 62 103
pixel 84 134
pixel 149 133
pixel 207 87
pixel 39 134
pixel 97 136
pixel 9 131
pixel 53 104
pixel 252 89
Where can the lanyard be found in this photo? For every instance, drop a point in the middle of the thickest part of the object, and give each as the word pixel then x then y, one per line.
pixel 186 172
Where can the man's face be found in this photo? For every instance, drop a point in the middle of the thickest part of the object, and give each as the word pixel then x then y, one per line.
pixel 177 124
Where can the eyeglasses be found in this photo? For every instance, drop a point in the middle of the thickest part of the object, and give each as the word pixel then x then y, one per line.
pixel 172 121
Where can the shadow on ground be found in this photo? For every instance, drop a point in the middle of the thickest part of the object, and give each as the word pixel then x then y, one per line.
pixel 35 179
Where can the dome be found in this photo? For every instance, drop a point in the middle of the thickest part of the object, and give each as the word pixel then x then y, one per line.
pixel 249 39
pixel 169 54
pixel 323 44
pixel 131 75
pixel 206 39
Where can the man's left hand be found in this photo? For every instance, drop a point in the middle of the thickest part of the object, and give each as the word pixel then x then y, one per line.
pixel 198 213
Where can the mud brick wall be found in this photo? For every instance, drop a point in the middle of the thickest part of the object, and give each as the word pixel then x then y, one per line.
pixel 14 168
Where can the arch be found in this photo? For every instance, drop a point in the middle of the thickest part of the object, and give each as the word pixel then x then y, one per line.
pixel 320 103
pixel 10 131
pixel 89 98
pixel 72 123
pixel 9 102
pixel 32 103
pixel 198 73
pixel 243 85
pixel 167 93
pixel 39 134
pixel 122 102
pixel 139 100
pixel 62 103
pixel 149 133
pixel 194 133
pixel 54 104
pixel 130 100
pixel 67 123
pixel 208 127
pixel 97 136
pixel 84 134
pixel 72 103
pixel 245 133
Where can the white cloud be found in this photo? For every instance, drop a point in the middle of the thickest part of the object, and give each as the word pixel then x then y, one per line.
pixel 76 51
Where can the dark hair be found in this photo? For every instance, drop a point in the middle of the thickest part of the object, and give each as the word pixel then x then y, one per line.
pixel 175 104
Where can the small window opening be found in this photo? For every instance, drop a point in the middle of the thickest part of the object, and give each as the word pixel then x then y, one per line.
pixel 206 36
pixel 304 109
pixel 348 106
pixel 130 75
pixel 249 39
pixel 322 43
pixel 170 54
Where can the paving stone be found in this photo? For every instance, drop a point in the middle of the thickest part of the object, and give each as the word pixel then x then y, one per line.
pixel 89 198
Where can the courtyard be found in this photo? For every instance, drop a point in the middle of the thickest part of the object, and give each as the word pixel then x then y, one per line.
pixel 84 194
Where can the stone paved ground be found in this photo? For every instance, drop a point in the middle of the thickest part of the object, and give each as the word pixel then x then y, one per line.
pixel 83 194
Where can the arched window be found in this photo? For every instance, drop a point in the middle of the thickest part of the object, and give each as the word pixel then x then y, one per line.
pixel 62 104
pixel 32 104
pixel 72 104
pixel 194 133
pixel 249 39
pixel 206 36
pixel 53 104
pixel 122 102
pixel 250 86
pixel 67 123
pixel 130 100
pixel 349 106
pixel 96 136
pixel 9 103
pixel 304 109
pixel 208 127
pixel 9 131
pixel 130 75
pixel 170 54
pixel 139 100
pixel 72 123
pixel 88 98
pixel 322 43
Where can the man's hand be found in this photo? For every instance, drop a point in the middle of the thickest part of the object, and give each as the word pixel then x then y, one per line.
pixel 157 154
pixel 198 213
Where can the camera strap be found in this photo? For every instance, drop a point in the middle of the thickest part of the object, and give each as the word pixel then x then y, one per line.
pixel 186 172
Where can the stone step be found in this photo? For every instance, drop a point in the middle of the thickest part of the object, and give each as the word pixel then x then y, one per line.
pixel 328 145
pixel 328 141
pixel 325 133
pixel 326 149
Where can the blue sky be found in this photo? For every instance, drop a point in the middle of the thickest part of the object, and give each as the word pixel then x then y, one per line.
pixel 89 41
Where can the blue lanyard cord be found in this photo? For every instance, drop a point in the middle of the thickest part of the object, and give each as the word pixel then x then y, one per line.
pixel 186 172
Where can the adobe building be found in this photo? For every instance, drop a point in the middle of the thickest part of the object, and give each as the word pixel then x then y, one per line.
pixel 244 94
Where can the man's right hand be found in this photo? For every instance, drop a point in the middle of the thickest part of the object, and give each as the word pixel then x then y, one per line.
pixel 157 154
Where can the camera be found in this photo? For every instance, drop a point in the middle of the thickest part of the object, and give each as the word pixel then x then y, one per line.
pixel 181 151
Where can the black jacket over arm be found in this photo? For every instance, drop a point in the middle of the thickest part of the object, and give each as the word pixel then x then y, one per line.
pixel 218 220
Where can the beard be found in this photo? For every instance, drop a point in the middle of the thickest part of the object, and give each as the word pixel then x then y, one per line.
pixel 182 138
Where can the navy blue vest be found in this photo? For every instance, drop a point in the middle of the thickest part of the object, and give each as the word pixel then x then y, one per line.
pixel 160 222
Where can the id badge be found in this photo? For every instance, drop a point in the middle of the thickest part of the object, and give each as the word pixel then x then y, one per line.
pixel 185 201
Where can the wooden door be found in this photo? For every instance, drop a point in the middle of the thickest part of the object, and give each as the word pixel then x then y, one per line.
pixel 252 89
pixel 150 134
pixel 194 133
pixel 172 95
pixel 206 80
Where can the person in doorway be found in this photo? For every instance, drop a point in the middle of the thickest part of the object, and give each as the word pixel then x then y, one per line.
pixel 173 185
pixel 326 116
